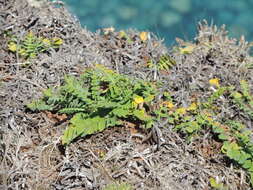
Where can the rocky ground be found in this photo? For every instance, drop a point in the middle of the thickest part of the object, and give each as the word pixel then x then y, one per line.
pixel 31 155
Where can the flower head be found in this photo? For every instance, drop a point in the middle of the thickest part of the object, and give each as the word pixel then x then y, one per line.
pixel 192 107
pixel 181 111
pixel 46 41
pixel 169 104
pixel 138 99
pixel 12 46
pixel 214 82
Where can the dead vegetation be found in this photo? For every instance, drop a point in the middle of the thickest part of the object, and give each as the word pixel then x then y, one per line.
pixel 31 156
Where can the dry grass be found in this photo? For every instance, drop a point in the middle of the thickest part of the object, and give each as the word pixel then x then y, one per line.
pixel 31 156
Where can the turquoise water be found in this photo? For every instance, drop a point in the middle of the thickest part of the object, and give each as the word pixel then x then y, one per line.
pixel 166 18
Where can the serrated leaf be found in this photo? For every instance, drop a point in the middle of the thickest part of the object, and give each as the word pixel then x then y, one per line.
pixel 48 92
pixel 245 88
pixel 105 104
pixel 192 127
pixel 251 178
pixel 121 112
pixel 149 98
pixel 243 157
pixel 71 110
pixel 141 115
pixel 247 164
pixel 39 105
pixel 189 130
pixel 237 95
pixel 218 129
pixel 251 168
pixel 113 121
pixel 171 120
pixel 223 137
pixel 233 154
pixel 82 127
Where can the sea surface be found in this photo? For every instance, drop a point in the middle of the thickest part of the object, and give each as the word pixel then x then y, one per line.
pixel 167 19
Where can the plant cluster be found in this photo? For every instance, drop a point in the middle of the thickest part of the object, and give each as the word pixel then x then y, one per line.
pixel 31 45
pixel 100 98
pixel 236 138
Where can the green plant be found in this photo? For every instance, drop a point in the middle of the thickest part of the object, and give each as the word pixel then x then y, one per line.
pixel 236 138
pixel 238 146
pixel 120 186
pixel 217 185
pixel 165 63
pixel 31 45
pixel 244 99
pixel 100 98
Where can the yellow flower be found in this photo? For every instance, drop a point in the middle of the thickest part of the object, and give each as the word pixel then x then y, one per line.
pixel 12 46
pixel 214 82
pixel 192 107
pixel 144 36
pixel 170 105
pixel 209 119
pixel 134 104
pixel 138 99
pixel 46 41
pixel 181 111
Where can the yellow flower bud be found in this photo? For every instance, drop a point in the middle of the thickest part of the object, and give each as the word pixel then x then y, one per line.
pixel 46 41
pixel 144 36
pixel 181 111
pixel 170 105
pixel 192 107
pixel 138 99
pixel 214 82
pixel 12 46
